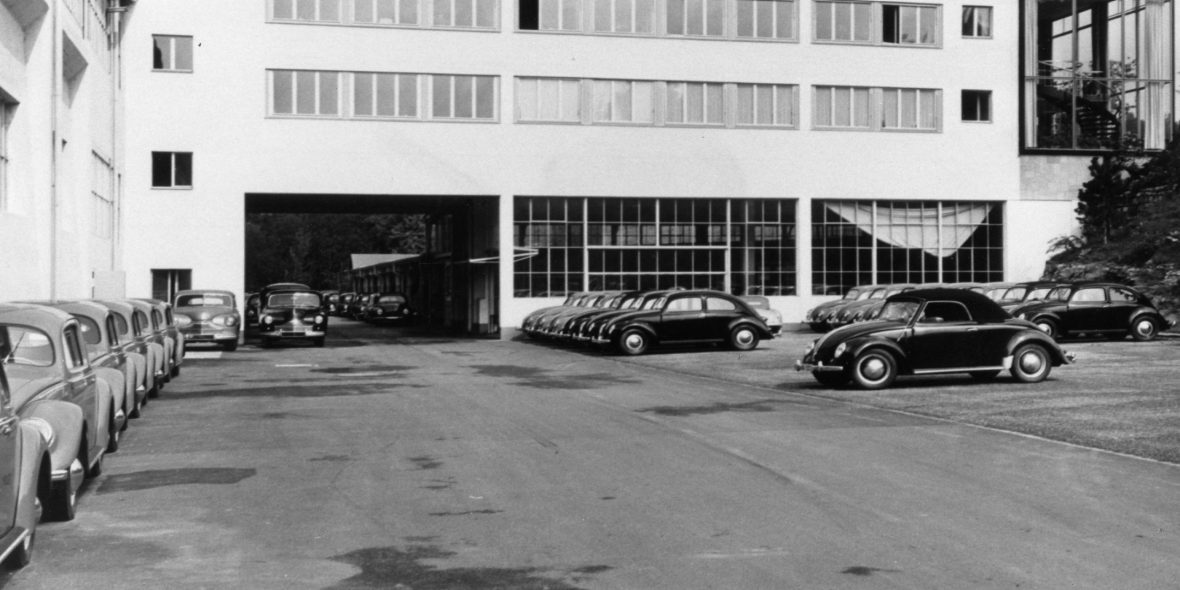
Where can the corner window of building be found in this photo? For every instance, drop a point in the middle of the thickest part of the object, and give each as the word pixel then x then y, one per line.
pixel 550 15
pixel 172 170
pixel 172 53
pixel 386 12
pixel 305 93
pixel 550 100
pixel 765 19
pixel 622 101
pixel 478 14
pixel 1097 75
pixel 463 97
pixel 695 103
pixel 977 105
pixel 977 22
pixel 166 282
pixel 306 10
pixel 696 17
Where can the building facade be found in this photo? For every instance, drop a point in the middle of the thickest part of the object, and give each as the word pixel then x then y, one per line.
pixel 791 148
pixel 61 164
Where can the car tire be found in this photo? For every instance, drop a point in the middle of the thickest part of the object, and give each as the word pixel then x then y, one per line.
pixel 743 338
pixel 61 505
pixel 136 410
pixel 1145 329
pixel 175 371
pixel 152 393
pixel 112 436
pixel 1031 363
pixel 22 554
pixel 831 379
pixel 874 368
pixel 984 375
pixel 230 346
pixel 1049 327
pixel 633 342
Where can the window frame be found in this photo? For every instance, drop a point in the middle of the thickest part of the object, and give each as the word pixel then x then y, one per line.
pixel 580 17
pixel 172 53
pixel 173 171
pixel 985 95
pixel 975 10
pixel 876 23
pixel 318 94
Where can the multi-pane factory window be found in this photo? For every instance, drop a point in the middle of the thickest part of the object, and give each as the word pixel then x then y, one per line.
pixel 773 20
pixel 300 93
pixel 881 23
pixel 639 244
pixel 867 242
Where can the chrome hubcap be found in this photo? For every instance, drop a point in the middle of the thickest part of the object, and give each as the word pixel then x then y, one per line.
pixel 1046 328
pixel 1145 328
pixel 634 341
pixel 1031 363
pixel 873 368
pixel 745 337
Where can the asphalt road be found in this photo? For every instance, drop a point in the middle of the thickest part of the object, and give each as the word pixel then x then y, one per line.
pixel 428 463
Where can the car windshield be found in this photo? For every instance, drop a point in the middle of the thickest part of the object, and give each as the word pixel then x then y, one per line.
pixel 1057 294
pixel 852 293
pixel 391 299
pixel 898 311
pixel 293 300
pixel 25 346
pixel 657 303
pixel 203 300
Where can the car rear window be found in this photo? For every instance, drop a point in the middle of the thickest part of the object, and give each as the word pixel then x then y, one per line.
pixel 202 300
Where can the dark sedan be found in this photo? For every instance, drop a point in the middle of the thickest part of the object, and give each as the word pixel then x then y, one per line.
pixel 1107 309
pixel 389 308
pixel 686 317
pixel 293 314
pixel 933 331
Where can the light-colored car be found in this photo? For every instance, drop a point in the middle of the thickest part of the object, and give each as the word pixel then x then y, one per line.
pixel 156 338
pixel 208 316
pixel 23 454
pixel 100 335
pixel 134 342
pixel 51 378
pixel 761 306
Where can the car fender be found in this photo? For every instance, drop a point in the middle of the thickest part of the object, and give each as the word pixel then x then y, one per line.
pixel 642 326
pixel 34 466
pixel 142 375
pixel 66 421
pixel 116 390
pixel 859 345
pixel 1041 314
pixel 760 327
pixel 156 354
pixel 101 426
pixel 1026 337
pixel 1142 312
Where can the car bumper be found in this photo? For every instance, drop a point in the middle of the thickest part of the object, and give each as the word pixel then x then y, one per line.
pixel 282 334
pixel 817 367
pixel 210 336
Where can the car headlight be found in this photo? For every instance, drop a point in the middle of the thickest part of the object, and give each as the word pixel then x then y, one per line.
pixel 183 320
pixel 267 320
pixel 319 319
pixel 840 350
pixel 44 429
pixel 379 311
pixel 225 320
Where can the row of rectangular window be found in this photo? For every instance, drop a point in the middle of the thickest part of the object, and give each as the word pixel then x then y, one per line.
pixel 594 101
pixel 835 21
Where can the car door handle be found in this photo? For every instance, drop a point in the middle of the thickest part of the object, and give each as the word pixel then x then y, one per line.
pixel 972 329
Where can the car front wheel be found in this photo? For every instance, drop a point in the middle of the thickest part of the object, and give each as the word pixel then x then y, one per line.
pixel 743 338
pixel 874 369
pixel 1145 329
pixel 1048 326
pixel 1030 363
pixel 633 342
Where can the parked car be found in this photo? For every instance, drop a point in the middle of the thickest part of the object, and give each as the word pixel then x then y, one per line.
pixel 567 328
pixel 550 325
pixel 356 309
pixel 100 335
pixel 772 317
pixel 165 321
pixel 208 316
pixel 331 299
pixel 343 302
pixel 293 314
pixel 47 369
pixel 151 330
pixel 997 291
pixel 389 308
pixel 24 453
pixel 858 311
pixel 1107 309
pixel 817 317
pixel 933 331
pixel 590 328
pixel 133 340
pixel 529 324
pixel 1029 292
pixel 683 317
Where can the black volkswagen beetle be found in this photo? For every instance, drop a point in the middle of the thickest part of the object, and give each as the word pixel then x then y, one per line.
pixel 1096 308
pixel 933 331
pixel 684 317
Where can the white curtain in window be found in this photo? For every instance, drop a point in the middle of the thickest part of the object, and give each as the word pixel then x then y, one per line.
pixel 921 228
pixel 1158 69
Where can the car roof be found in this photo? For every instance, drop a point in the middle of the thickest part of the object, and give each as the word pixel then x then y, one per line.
pixel 203 291
pixel 980 305
pixel 32 314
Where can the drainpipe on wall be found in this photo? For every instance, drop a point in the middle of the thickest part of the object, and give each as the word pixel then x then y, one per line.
pixel 116 13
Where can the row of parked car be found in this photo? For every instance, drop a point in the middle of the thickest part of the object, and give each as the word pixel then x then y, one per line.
pixel 632 322
pixel 375 308
pixel 1059 309
pixel 73 374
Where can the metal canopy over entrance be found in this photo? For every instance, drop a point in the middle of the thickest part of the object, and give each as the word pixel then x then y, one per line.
pixel 454 283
